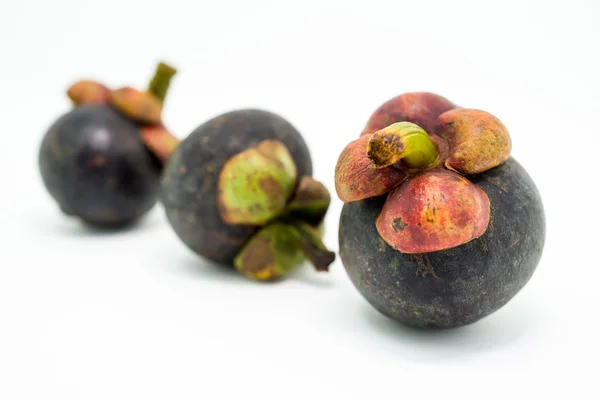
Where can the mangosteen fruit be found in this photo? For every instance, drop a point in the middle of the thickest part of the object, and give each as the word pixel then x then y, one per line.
pixel 101 160
pixel 239 191
pixel 441 226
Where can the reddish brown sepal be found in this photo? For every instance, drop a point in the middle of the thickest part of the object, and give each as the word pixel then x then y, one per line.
pixel 442 146
pixel 421 108
pixel 159 140
pixel 356 178
pixel 478 140
pixel 86 92
pixel 435 210
pixel 310 201
pixel 142 107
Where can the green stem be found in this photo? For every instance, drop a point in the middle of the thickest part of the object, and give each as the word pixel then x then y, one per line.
pixel 312 246
pixel 159 85
pixel 402 141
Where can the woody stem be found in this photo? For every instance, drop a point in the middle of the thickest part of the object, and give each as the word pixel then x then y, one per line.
pixel 312 246
pixel 159 85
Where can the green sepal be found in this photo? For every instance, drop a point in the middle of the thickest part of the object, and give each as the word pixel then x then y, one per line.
pixel 271 253
pixel 309 202
pixel 255 185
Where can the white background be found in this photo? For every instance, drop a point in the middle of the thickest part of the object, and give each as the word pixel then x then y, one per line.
pixel 136 315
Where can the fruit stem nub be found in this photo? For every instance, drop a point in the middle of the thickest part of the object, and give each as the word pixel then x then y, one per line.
pixel 402 141
pixel 312 246
pixel 159 85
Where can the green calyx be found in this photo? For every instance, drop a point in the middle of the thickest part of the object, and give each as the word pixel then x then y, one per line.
pixel 279 247
pixel 260 187
pixel 402 141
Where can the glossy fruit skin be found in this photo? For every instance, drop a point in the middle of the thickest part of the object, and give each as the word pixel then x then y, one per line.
pixel 189 182
pixel 453 287
pixel 94 164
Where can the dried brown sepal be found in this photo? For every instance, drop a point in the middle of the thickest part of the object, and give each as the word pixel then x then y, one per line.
pixel 420 108
pixel 357 178
pixel 478 140
pixel 142 107
pixel 159 141
pixel 85 92
pixel 435 210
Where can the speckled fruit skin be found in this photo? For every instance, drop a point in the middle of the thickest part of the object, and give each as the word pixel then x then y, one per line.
pixel 453 287
pixel 94 164
pixel 189 182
